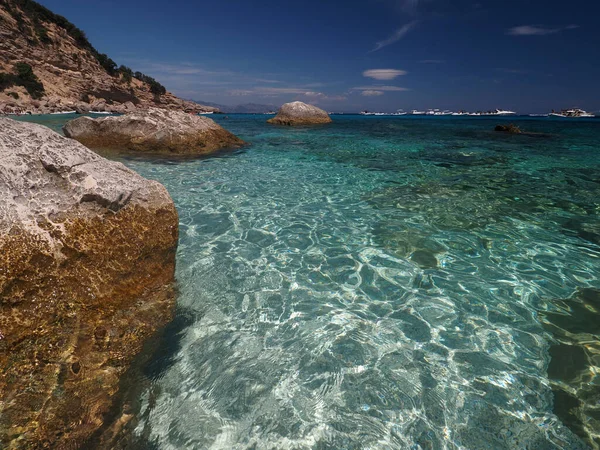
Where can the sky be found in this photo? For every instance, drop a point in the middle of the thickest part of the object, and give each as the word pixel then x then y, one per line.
pixel 350 55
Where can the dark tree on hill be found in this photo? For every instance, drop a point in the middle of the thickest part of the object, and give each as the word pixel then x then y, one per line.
pixel 108 64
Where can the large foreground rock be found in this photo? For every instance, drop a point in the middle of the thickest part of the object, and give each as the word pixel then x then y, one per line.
pixel 298 113
pixel 87 258
pixel 153 131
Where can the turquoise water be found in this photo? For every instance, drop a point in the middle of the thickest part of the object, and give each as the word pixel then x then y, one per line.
pixel 383 283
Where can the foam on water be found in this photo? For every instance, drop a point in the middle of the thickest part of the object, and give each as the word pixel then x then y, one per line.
pixel 384 283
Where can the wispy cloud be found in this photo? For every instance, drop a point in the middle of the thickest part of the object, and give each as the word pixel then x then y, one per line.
pixel 371 93
pixel 380 88
pixel 395 37
pixel 406 6
pixel 299 92
pixel 513 71
pixel 383 74
pixel 376 90
pixel 537 30
pixel 266 80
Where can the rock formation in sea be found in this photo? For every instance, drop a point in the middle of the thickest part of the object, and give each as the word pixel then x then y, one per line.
pixel 299 113
pixel 153 131
pixel 508 129
pixel 48 65
pixel 87 259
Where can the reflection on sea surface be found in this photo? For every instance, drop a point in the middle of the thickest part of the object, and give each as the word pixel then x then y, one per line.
pixel 383 283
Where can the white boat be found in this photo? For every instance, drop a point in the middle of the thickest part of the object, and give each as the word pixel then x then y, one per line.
pixel 414 112
pixel 503 112
pixel 206 113
pixel 574 112
pixel 99 112
pixel 62 112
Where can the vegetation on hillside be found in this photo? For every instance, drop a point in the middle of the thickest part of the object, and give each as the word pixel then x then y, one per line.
pixel 38 15
pixel 126 74
pixel 155 87
pixel 23 76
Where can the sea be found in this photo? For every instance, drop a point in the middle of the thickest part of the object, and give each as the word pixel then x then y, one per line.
pixel 381 283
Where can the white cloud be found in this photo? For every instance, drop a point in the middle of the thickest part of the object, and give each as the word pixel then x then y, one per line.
pixel 395 37
pixel 380 88
pixel 371 93
pixel 383 74
pixel 537 30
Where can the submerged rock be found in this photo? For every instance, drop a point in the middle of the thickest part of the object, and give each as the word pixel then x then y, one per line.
pixel 87 259
pixel 153 131
pixel 298 113
pixel 573 324
pixel 508 129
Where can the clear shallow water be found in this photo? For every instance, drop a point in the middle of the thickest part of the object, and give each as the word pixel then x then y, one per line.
pixel 383 283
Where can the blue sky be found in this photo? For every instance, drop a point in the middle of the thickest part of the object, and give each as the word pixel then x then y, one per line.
pixel 525 55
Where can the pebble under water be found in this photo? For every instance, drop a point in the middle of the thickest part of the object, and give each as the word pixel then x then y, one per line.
pixel 383 283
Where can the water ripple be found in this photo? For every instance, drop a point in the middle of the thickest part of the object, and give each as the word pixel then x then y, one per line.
pixel 380 285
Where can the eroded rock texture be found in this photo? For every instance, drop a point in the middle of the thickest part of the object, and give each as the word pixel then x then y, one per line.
pixel 153 131
pixel 87 259
pixel 299 113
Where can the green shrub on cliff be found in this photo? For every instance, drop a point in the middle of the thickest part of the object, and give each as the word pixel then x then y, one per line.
pixel 108 64
pixel 6 81
pixel 155 87
pixel 42 34
pixel 25 77
pixel 126 74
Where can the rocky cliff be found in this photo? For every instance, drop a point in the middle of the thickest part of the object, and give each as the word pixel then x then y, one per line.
pixel 48 65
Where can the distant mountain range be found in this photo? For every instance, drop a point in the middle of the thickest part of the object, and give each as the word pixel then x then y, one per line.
pixel 246 108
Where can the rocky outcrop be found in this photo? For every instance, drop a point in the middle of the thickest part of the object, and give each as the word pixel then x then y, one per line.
pixel 69 68
pixel 153 131
pixel 87 259
pixel 298 113
pixel 513 129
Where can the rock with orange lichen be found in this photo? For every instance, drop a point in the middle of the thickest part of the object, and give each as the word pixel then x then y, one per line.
pixel 87 259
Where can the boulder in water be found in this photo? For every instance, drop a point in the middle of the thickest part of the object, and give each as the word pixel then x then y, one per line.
pixel 153 131
pixel 87 260
pixel 299 113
